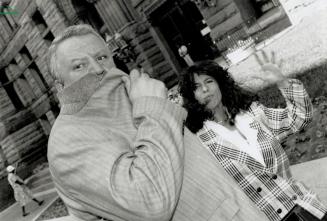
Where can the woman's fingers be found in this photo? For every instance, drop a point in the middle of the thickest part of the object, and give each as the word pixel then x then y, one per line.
pixel 281 63
pixel 273 57
pixel 265 57
pixel 258 59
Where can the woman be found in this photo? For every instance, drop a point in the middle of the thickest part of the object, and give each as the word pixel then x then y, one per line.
pixel 244 136
pixel 22 194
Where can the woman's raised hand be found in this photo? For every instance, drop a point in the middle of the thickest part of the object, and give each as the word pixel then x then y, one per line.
pixel 271 68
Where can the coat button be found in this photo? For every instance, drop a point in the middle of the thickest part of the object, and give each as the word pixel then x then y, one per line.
pixel 183 129
pixel 279 211
pixel 274 177
pixel 259 189
pixel 294 197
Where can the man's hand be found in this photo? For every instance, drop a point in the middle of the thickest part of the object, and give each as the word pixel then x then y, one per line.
pixel 272 69
pixel 141 85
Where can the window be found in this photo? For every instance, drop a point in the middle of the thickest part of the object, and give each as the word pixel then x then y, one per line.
pixel 39 21
pixel 46 126
pixel 48 38
pixel 9 88
pixel 35 68
pixel 26 56
pixel 7 14
pixel 3 77
pixel 13 70
pixel 24 91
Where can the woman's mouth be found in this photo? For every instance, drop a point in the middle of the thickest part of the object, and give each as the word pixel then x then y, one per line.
pixel 207 99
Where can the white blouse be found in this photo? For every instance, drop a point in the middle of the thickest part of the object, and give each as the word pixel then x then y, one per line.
pixel 243 136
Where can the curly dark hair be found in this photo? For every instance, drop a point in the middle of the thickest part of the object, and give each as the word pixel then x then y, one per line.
pixel 234 98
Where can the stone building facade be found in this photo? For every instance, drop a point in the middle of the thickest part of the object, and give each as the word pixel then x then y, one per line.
pixel 27 105
pixel 151 30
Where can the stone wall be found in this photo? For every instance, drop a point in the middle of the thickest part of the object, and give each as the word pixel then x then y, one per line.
pixel 6 106
pixel 28 106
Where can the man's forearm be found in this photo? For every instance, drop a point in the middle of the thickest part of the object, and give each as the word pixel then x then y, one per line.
pixel 154 172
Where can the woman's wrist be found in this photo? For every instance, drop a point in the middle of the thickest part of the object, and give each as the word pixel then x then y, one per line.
pixel 282 83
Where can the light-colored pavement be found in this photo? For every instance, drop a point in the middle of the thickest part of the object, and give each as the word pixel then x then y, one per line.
pixel 14 212
pixel 314 175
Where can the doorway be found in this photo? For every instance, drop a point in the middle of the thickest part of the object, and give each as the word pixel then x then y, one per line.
pixel 181 22
pixel 88 14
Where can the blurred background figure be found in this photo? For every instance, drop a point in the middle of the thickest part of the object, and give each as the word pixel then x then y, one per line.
pixel 23 194
pixel 182 51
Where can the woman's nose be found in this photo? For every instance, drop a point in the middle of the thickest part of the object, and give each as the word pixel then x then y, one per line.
pixel 204 88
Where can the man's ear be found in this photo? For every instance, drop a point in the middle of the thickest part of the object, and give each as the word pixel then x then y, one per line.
pixel 59 86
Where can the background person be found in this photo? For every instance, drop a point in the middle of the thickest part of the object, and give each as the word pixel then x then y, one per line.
pixel 244 136
pixel 23 195
pixel 183 52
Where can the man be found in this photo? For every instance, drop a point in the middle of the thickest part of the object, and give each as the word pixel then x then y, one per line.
pixel 116 149
pixel 114 155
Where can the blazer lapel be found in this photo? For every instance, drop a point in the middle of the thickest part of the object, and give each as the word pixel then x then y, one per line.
pixel 219 146
pixel 264 138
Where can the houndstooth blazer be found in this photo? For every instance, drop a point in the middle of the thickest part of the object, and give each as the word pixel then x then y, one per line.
pixel 271 186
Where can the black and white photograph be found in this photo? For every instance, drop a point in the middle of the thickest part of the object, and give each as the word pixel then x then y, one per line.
pixel 163 110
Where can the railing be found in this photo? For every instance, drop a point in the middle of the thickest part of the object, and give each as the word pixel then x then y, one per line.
pixel 252 32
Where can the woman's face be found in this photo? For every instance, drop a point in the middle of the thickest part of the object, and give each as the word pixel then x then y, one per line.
pixel 207 91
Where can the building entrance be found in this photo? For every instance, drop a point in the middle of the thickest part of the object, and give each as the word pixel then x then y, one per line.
pixel 180 22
